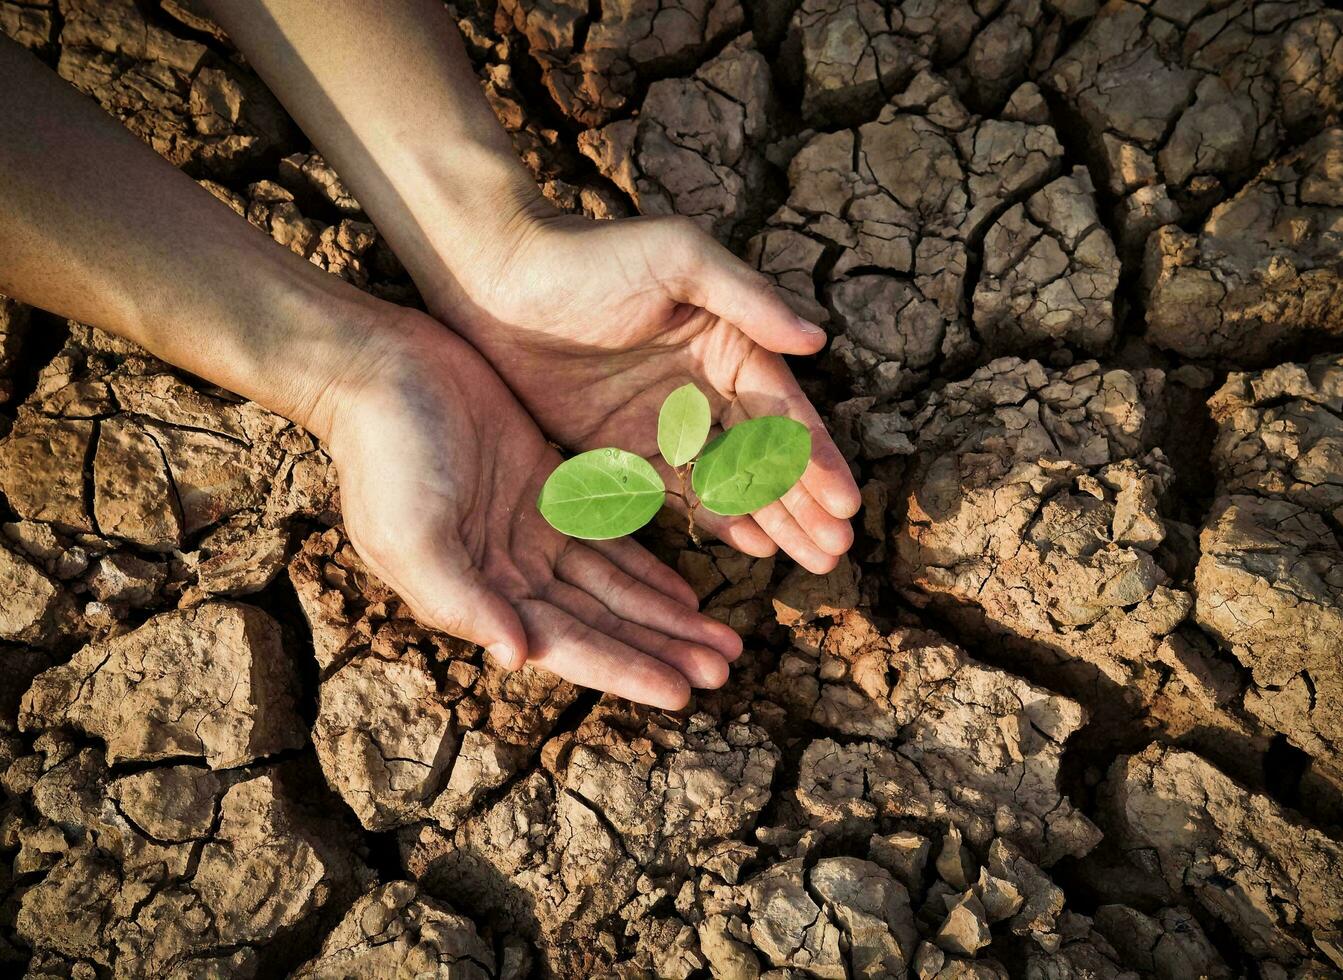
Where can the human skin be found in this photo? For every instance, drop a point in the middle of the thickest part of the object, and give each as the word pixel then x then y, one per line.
pixel 591 323
pixel 439 464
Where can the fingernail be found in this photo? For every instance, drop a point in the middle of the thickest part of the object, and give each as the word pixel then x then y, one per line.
pixel 504 655
pixel 808 327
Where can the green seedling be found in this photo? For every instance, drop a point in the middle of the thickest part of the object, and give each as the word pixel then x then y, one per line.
pixel 607 493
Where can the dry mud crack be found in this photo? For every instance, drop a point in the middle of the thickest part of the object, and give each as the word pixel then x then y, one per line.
pixel 1070 709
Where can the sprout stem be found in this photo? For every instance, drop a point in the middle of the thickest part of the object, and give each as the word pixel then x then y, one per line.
pixel 691 504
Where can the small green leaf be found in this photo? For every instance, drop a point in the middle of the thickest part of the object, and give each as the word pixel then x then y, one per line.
pixel 752 464
pixel 683 424
pixel 604 493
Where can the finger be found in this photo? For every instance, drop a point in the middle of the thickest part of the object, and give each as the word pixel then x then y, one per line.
pixel 460 603
pixel 828 532
pixel 700 665
pixel 765 386
pixel 705 274
pixel 783 527
pixel 581 655
pixel 634 601
pixel 638 562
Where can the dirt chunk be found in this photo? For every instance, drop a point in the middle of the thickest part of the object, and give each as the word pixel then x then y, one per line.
pixel 242 875
pixel 1050 272
pixel 237 559
pixel 1077 949
pixel 1279 433
pixel 1269 580
pixel 133 495
pixel 342 600
pixel 539 858
pixel 1276 883
pixel 631 801
pixel 670 789
pixel 350 248
pixel 858 924
pixel 124 579
pixel 1264 272
pixel 195 109
pixel 145 692
pixel 1179 103
pixel 1269 589
pixel 385 738
pixel 966 927
pixel 171 461
pixel 695 148
pixel 802 597
pixel 1031 508
pixel 394 930
pixel 592 56
pixel 35 608
pixel 843 916
pixel 167 460
pixel 1032 516
pixel 895 210
pixel 32 24
pixel 42 470
pixel 853 58
pixel 1169 945
pixel 310 174
pixel 952 740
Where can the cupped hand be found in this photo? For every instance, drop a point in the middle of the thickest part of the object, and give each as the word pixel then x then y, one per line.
pixel 593 323
pixel 440 468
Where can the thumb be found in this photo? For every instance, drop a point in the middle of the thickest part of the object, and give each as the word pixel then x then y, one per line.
pixel 711 277
pixel 463 605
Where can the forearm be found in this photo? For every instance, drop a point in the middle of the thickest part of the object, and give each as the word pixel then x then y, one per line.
pixel 95 226
pixel 389 97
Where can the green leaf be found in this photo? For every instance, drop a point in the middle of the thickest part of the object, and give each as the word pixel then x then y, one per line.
pixel 604 493
pixel 752 464
pixel 683 424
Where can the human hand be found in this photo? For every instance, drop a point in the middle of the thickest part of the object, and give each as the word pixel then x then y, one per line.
pixel 590 323
pixel 593 323
pixel 440 468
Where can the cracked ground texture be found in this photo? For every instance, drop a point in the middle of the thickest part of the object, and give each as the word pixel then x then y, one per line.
pixel 1071 708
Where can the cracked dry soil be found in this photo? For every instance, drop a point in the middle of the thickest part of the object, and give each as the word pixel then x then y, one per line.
pixel 1073 707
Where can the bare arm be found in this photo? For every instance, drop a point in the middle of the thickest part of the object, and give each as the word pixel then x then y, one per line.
pixel 95 226
pixel 388 94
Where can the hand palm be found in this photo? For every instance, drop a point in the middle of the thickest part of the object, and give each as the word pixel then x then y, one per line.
pixel 439 469
pixel 592 324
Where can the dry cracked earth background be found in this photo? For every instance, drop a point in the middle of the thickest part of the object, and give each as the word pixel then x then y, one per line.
pixel 1074 708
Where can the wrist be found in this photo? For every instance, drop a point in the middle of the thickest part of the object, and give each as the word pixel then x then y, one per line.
pixel 337 356
pixel 257 320
pixel 311 341
pixel 475 210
